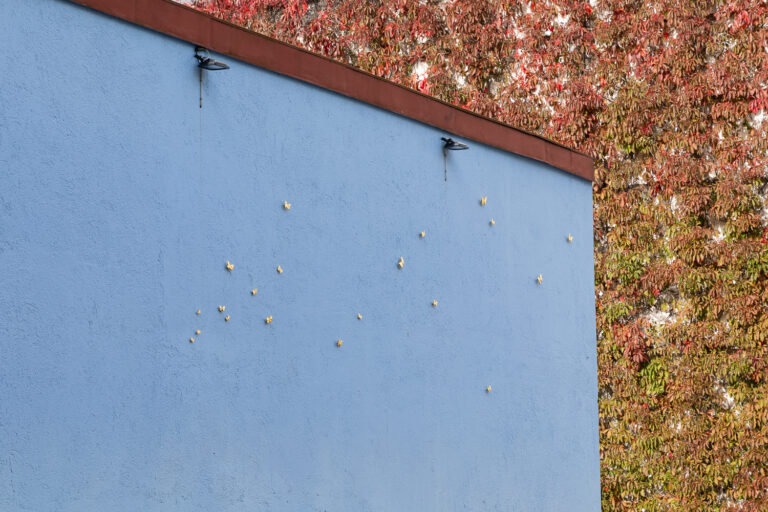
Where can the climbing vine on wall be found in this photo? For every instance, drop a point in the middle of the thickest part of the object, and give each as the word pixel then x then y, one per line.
pixel 670 97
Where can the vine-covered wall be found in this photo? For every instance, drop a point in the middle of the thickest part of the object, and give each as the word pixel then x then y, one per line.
pixel 130 216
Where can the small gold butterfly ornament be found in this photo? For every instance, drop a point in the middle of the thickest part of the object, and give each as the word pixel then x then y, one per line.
pixel 286 205
pixel 570 238
pixel 230 267
pixel 359 316
pixel 539 279
pixel 226 318
pixel 434 303
pixel 483 200
pixel 423 234
pixel 268 320
pixel 488 389
pixel 254 291
pixel 492 223
pixel 339 343
pixel 222 308
pixel 401 263
pixel 279 269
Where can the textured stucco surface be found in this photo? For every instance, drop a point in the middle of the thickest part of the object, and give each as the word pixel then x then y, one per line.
pixel 119 206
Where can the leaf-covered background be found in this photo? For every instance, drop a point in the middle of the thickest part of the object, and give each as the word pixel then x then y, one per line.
pixel 670 97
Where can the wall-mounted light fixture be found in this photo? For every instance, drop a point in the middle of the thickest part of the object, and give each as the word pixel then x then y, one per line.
pixel 453 145
pixel 450 145
pixel 205 61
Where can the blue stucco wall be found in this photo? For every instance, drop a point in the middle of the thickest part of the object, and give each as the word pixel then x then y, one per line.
pixel 120 202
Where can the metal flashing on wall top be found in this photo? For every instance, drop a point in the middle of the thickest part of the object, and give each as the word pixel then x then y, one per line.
pixel 188 24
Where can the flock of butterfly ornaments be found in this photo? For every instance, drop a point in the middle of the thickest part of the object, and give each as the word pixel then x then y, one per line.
pixel 400 264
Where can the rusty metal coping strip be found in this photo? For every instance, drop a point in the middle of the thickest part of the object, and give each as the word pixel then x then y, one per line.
pixel 202 29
